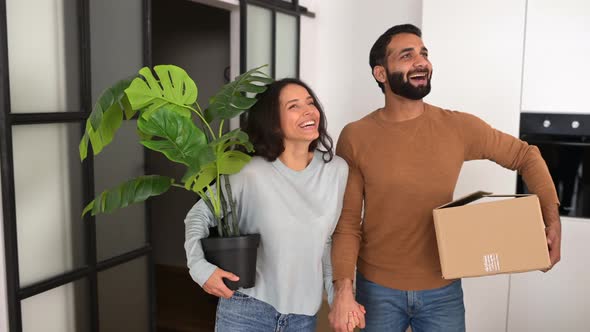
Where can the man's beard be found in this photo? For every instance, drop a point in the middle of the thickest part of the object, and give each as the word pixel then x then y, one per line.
pixel 405 88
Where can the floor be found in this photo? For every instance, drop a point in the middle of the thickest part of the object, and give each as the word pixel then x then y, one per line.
pixel 182 305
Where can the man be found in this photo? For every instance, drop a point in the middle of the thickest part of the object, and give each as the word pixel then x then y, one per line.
pixel 404 161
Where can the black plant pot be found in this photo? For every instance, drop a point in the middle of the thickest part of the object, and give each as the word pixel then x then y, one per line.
pixel 236 255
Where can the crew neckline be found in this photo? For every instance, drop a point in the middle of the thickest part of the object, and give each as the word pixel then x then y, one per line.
pixel 380 118
pixel 313 164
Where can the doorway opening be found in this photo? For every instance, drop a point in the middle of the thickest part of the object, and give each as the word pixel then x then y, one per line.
pixel 195 37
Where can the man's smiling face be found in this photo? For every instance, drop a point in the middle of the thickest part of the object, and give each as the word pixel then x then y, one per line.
pixel 407 66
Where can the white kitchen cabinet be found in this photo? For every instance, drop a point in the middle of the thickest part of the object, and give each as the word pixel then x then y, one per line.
pixel 476 49
pixel 485 303
pixel 557 44
pixel 560 299
pixel 484 65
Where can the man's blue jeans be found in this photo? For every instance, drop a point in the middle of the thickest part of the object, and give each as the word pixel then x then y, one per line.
pixel 243 313
pixel 393 310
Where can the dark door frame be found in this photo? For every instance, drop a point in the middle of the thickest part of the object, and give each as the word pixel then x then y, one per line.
pixel 88 272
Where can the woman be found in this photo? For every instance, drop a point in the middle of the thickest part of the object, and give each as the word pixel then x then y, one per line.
pixel 291 194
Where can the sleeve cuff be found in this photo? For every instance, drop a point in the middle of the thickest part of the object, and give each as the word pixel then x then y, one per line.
pixel 201 272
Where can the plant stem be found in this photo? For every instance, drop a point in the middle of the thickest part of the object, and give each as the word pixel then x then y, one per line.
pixel 224 215
pixel 210 206
pixel 221 128
pixel 200 114
pixel 232 203
pixel 214 207
pixel 219 193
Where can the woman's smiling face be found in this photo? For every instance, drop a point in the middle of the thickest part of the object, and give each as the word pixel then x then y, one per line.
pixel 300 118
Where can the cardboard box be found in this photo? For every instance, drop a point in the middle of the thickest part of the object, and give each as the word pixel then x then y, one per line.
pixel 496 234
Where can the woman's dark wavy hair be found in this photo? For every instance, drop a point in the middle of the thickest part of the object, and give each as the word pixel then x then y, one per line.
pixel 263 124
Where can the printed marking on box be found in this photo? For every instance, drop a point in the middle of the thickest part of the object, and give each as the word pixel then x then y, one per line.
pixel 491 262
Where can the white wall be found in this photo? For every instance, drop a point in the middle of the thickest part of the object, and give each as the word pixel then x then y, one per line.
pixel 476 49
pixel 335 53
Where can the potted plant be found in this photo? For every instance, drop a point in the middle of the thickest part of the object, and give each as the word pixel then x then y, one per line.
pixel 165 101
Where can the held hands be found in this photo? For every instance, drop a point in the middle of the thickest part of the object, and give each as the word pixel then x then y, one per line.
pixel 345 313
pixel 215 286
pixel 354 319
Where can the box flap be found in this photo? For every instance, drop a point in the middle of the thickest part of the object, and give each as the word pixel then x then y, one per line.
pixel 465 199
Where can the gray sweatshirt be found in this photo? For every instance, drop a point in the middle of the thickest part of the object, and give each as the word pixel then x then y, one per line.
pixel 295 213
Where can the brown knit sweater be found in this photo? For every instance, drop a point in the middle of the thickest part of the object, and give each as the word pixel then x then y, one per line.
pixel 402 171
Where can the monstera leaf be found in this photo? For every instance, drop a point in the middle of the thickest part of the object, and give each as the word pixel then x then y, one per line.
pixel 235 137
pixel 231 162
pixel 133 191
pixel 197 181
pixel 176 137
pixel 218 158
pixel 106 118
pixel 233 98
pixel 172 89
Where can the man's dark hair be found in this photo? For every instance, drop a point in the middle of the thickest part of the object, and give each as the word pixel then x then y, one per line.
pixel 379 49
pixel 263 124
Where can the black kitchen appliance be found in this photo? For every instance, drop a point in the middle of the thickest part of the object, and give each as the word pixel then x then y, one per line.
pixel 564 142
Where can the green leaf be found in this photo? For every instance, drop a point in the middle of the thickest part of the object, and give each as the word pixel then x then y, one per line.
pixel 236 134
pixel 133 191
pixel 110 123
pixel 95 140
pixel 232 99
pixel 189 178
pixel 142 135
pixel 252 88
pixel 118 90
pixel 231 139
pixel 129 111
pixel 178 137
pixel 88 208
pixel 204 178
pixel 102 104
pixel 172 89
pixel 206 158
pixel 231 162
pixel 247 145
pixel 83 147
pixel 106 118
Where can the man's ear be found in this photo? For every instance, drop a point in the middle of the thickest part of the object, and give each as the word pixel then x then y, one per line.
pixel 380 74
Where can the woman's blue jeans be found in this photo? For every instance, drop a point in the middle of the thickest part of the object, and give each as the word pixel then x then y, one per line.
pixel 242 313
pixel 393 310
